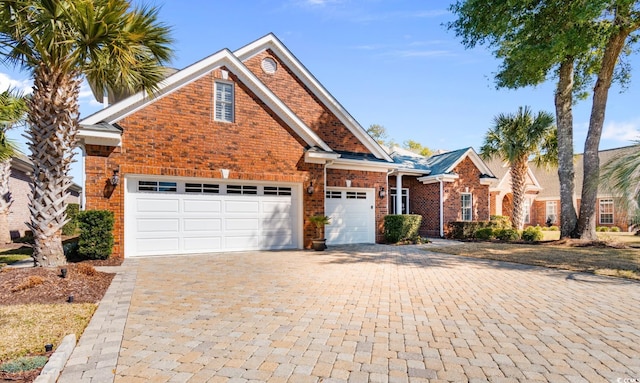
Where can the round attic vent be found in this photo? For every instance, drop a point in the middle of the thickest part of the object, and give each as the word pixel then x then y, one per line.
pixel 269 65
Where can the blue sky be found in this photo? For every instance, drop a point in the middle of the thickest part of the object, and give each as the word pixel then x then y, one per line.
pixel 387 62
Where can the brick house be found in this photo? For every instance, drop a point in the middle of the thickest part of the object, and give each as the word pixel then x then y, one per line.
pixel 20 188
pixel 543 193
pixel 445 187
pixel 237 151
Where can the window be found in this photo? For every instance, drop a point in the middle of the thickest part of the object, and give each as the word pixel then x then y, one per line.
pixel 356 195
pixel 157 186
pixel 551 212
pixel 405 201
pixel 606 211
pixel 224 102
pixel 202 188
pixel 333 194
pixel 277 190
pixel 467 204
pixel 527 210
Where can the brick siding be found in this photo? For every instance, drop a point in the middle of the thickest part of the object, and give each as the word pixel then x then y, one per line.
pixel 176 135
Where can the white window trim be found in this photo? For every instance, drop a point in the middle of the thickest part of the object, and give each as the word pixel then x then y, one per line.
pixel 555 210
pixel 462 208
pixel 609 201
pixel 527 210
pixel 215 101
pixel 392 196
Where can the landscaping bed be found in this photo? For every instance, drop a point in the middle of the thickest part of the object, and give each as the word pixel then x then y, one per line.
pixel 35 308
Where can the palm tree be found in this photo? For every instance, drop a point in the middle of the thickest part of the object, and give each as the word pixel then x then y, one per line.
pixel 621 177
pixel 13 107
pixel 516 138
pixel 58 41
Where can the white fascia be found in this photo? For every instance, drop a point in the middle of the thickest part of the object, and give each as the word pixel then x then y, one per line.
pixel 270 41
pixel 348 164
pixel 222 58
pixel 488 181
pixel 437 178
pixel 315 157
pixel 95 137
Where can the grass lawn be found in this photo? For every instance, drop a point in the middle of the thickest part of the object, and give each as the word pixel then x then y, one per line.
pixel 610 261
pixel 25 329
pixel 9 256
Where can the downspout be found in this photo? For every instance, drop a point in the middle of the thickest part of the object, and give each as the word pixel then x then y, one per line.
pixel 83 180
pixel 441 207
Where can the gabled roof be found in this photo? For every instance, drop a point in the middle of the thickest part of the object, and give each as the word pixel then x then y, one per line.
pixel 272 43
pixel 439 164
pixel 501 169
pixel 223 58
pixel 548 177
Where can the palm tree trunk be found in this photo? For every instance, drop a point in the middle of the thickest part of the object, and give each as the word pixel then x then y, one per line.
pixel 586 228
pixel 5 201
pixel 564 117
pixel 53 120
pixel 518 184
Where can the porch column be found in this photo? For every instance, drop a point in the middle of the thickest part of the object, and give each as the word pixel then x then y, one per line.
pixel 398 193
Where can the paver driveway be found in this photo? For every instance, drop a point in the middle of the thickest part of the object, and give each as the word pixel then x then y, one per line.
pixel 358 314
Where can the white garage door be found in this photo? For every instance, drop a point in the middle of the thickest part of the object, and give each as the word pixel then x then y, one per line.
pixel 181 217
pixel 352 213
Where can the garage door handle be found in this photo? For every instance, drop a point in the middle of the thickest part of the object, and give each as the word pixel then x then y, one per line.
pixel 371 206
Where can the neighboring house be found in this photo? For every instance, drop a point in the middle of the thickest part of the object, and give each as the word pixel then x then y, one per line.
pixel 446 187
pixel 543 193
pixel 20 188
pixel 238 150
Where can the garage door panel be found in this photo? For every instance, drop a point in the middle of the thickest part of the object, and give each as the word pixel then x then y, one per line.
pixel 352 219
pixel 202 224
pixel 203 243
pixel 242 206
pixel 155 225
pixel 158 245
pixel 241 242
pixel 202 206
pixel 157 205
pixel 188 220
pixel 241 224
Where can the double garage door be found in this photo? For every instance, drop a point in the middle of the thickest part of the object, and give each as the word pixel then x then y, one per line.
pixel 181 217
pixel 177 216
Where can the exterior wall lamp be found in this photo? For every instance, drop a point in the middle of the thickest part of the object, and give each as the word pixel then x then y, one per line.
pixel 381 192
pixel 115 179
pixel 310 188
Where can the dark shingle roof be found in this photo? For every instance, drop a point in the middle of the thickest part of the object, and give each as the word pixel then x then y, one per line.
pixel 436 164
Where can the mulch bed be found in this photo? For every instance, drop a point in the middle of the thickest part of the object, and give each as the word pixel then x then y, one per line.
pixel 46 285
pixel 19 377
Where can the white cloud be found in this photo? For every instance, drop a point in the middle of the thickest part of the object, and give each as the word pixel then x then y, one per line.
pixel 86 95
pixel 7 82
pixel 622 131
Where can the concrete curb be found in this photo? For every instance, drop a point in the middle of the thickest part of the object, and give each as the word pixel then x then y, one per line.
pixel 57 360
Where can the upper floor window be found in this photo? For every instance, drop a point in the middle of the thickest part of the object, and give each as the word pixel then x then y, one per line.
pixel 551 212
pixel 224 101
pixel 467 204
pixel 606 211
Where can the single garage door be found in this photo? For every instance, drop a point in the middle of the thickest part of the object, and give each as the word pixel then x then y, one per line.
pixel 352 213
pixel 181 217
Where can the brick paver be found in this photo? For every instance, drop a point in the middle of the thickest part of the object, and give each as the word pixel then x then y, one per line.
pixel 359 314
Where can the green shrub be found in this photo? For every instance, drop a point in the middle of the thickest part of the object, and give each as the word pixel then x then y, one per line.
pixel 71 227
pixel 554 228
pixel 484 233
pixel 615 229
pixel 532 234
pixel 401 227
pixel 465 229
pixel 96 235
pixel 602 229
pixel 26 363
pixel 500 222
pixel 507 234
pixel 544 228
